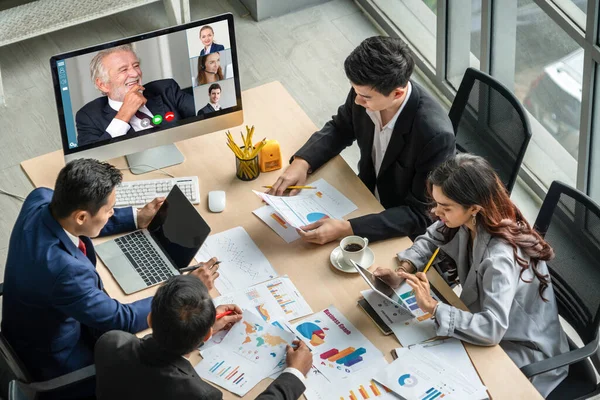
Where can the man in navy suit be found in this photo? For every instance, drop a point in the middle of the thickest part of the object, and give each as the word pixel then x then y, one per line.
pixel 54 306
pixel 127 107
pixel 207 35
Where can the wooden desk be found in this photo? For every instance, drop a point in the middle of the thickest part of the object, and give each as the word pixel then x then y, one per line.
pixel 276 115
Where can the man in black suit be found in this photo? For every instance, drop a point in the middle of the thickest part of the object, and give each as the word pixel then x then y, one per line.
pixel 402 133
pixel 156 367
pixel 214 94
pixel 127 107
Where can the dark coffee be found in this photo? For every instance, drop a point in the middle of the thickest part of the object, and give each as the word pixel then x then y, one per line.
pixel 353 247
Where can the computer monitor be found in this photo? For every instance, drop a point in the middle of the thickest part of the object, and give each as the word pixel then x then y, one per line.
pixel 188 81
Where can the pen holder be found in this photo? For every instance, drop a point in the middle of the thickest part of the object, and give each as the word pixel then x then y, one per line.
pixel 247 169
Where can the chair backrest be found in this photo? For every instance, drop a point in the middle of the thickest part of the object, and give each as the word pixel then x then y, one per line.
pixel 11 366
pixel 490 121
pixel 570 222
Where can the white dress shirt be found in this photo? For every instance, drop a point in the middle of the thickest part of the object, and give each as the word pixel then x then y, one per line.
pixel 118 128
pixel 383 134
pixel 217 106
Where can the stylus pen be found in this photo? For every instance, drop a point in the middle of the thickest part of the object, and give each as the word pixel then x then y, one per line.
pixel 435 253
pixel 195 267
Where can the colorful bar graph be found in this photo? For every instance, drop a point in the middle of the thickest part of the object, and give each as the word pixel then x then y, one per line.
pixel 239 379
pixel 216 366
pixel 350 359
pixel 410 299
pixel 374 389
pixel 232 373
pixel 352 396
pixel 342 354
pixel 363 392
pixel 431 394
pixel 225 371
pixel 328 354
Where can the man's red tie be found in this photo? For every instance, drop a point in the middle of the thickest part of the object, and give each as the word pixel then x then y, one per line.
pixel 82 247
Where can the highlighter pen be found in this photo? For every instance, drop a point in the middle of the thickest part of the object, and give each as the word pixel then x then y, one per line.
pixel 195 267
pixel 224 313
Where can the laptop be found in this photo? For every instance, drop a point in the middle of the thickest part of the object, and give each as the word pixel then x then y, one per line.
pixel 150 256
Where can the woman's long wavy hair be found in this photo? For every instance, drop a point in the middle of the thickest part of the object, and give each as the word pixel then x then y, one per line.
pixel 201 77
pixel 470 180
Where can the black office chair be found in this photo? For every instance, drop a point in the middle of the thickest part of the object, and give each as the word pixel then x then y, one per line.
pixel 570 222
pixel 16 383
pixel 490 121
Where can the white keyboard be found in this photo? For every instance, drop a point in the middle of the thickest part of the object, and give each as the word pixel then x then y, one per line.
pixel 140 193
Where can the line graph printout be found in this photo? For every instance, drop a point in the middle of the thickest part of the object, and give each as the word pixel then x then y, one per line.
pixel 242 262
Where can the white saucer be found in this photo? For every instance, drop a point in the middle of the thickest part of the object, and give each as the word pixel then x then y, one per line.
pixel 340 264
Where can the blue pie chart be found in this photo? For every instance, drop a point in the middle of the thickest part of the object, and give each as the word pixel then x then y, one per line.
pixel 315 216
pixel 407 380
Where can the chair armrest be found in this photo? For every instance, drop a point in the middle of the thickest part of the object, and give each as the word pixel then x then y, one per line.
pixel 62 381
pixel 560 360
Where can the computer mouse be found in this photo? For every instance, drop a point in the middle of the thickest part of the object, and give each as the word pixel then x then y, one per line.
pixel 216 201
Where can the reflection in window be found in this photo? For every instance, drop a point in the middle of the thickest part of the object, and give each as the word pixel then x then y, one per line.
pixel 418 22
pixel 548 81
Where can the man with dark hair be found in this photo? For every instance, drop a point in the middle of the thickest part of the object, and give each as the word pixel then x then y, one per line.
pixel 157 366
pixel 54 306
pixel 402 134
pixel 214 94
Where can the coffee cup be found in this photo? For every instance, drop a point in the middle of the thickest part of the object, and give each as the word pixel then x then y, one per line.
pixel 353 249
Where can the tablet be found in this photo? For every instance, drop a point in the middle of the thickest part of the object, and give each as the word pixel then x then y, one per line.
pixel 381 287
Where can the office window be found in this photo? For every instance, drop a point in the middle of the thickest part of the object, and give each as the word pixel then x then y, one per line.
pixel 574 9
pixel 417 20
pixel 548 81
pixel 594 172
pixel 464 27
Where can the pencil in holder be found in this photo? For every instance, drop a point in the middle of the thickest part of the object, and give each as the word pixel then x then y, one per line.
pixel 247 169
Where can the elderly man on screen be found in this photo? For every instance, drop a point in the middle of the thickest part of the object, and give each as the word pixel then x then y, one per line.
pixel 127 106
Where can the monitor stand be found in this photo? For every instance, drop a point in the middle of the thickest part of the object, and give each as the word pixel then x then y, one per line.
pixel 152 159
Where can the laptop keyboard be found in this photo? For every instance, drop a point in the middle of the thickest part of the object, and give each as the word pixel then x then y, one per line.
pixel 144 258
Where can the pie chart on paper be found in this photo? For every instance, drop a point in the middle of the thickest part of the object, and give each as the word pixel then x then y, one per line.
pixel 315 216
pixel 407 380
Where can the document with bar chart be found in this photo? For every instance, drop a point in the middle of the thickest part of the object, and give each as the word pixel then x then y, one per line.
pixel 359 386
pixel 419 374
pixel 232 373
pixel 339 349
pixel 276 299
pixel 248 353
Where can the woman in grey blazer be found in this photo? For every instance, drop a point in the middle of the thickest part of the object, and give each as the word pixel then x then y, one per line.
pixel 501 266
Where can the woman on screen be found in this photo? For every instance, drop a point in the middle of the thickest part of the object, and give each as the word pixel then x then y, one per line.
pixel 501 264
pixel 209 69
pixel 207 35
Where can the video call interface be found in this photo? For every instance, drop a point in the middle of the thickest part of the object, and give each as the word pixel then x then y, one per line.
pixel 175 78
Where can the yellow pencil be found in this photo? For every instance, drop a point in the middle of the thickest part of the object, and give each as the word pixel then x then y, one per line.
pixel 292 187
pixel 435 253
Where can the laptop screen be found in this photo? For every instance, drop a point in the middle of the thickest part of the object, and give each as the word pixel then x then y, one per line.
pixel 178 229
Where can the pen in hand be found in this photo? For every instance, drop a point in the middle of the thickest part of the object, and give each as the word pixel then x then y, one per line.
pixel 195 267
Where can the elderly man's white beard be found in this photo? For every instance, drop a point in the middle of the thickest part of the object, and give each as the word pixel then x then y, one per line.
pixel 121 91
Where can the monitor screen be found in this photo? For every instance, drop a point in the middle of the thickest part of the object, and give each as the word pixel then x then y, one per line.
pixel 114 94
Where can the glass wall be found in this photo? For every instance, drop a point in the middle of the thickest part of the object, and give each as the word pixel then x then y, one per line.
pixel 545 51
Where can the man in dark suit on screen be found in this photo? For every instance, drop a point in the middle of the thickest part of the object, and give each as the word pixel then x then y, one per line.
pixel 402 133
pixel 127 107
pixel 214 94
pixel 157 366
